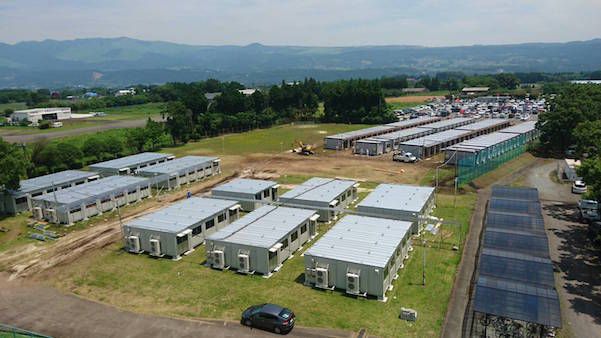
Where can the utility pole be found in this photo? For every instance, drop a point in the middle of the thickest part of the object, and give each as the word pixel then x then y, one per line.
pixel 424 263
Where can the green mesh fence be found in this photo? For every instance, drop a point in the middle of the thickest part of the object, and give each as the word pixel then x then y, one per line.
pixel 7 331
pixel 471 166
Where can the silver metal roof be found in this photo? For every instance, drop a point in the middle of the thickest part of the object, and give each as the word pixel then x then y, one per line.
pixel 182 215
pixel 52 180
pixel 398 197
pixel 483 142
pixel 362 240
pixel 263 227
pixel 174 166
pixel 521 128
pixel 449 123
pixel 245 185
pixel 318 189
pixel 91 191
pixel 413 122
pixel 483 124
pixel 129 161
pixel 405 133
pixel 361 132
pixel 373 140
pixel 437 138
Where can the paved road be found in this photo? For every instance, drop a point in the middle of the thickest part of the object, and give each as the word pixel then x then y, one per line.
pixel 48 311
pixel 579 278
pixel 106 125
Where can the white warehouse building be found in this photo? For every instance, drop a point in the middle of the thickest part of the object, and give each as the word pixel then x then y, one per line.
pixel 250 193
pixel 38 114
pixel 179 228
pixel 329 196
pixel 180 171
pixel 262 240
pixel 401 202
pixel 360 255
pixel 90 199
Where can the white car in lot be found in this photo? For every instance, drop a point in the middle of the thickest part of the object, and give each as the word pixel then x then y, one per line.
pixel 404 157
pixel 579 187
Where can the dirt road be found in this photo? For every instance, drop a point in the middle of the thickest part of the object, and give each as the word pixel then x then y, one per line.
pixel 50 312
pixel 106 125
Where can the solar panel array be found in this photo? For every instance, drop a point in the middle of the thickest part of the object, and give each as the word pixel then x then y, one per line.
pixel 515 274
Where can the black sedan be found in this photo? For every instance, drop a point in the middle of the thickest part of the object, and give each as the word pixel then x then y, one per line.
pixel 269 317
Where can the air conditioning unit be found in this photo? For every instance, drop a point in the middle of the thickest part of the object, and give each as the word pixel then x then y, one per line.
pixel 243 263
pixel 52 216
pixel 155 247
pixel 133 244
pixel 37 213
pixel 218 259
pixel 321 278
pixel 352 283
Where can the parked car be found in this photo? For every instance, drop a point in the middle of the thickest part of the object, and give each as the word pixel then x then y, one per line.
pixel 579 187
pixel 269 317
pixel 588 211
pixel 404 157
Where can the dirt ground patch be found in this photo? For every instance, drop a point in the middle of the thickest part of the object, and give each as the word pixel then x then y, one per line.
pixel 412 98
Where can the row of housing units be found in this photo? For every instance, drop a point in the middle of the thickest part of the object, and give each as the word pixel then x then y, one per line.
pixel 360 254
pixel 424 137
pixel 514 285
pixel 74 195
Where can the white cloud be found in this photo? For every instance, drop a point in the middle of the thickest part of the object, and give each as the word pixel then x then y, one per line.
pixel 307 22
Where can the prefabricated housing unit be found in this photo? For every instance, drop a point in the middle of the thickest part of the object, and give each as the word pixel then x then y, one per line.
pixel 486 126
pixel 250 193
pixel 89 199
pixel 262 240
pixel 129 164
pixel 449 123
pixel 481 149
pixel 328 195
pixel 411 123
pixel 526 129
pixel 15 201
pixel 178 228
pixel 426 146
pixel 347 140
pixel 360 255
pixel 183 170
pixel 401 202
pixel 388 142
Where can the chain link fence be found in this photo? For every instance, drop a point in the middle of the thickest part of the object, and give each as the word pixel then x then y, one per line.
pixel 7 331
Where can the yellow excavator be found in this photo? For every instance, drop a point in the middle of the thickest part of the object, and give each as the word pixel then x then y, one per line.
pixel 303 149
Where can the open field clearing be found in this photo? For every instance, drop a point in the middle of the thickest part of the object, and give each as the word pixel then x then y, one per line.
pixel 13 106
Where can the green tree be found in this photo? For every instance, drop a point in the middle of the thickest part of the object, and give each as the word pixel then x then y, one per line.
pixel 69 155
pixel 14 161
pixel 179 121
pixel 590 170
pixel 587 136
pixel 136 139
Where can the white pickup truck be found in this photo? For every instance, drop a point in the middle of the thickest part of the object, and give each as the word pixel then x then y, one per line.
pixel 404 157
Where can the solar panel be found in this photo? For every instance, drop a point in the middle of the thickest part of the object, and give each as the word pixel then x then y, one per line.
pixel 514 206
pixel 520 222
pixel 529 194
pixel 522 243
pixel 536 272
pixel 517 301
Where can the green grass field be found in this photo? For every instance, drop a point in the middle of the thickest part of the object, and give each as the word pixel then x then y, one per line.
pixel 187 288
pixel 12 105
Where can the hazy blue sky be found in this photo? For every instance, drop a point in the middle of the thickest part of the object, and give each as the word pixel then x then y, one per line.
pixel 305 22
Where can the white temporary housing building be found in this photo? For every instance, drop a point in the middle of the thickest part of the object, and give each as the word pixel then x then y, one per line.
pixel 262 240
pixel 89 199
pixel 329 196
pixel 426 146
pixel 401 202
pixel 449 123
pixel 176 230
pixel 249 193
pixel 38 114
pixel 15 201
pixel 388 142
pixel 183 170
pixel 360 255
pixel 129 164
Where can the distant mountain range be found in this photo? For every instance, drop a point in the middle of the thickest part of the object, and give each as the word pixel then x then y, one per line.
pixel 124 61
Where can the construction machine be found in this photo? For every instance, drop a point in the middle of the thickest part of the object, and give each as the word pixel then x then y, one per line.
pixel 303 149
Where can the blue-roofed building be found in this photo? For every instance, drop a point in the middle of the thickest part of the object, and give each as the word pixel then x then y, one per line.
pixel 15 201
pixel 180 171
pixel 329 196
pixel 177 229
pixel 262 240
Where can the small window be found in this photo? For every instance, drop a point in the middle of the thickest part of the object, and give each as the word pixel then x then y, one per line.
pixel 65 186
pixel 258 196
pixel 210 224
pixel 303 229
pixel 348 193
pixel 266 193
pixel 76 210
pixel 32 195
pixel 342 198
pixel 181 239
pixel 197 230
pixel 233 212
pixel 22 200
pixel 294 236
pixel 221 218
pixel 284 244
